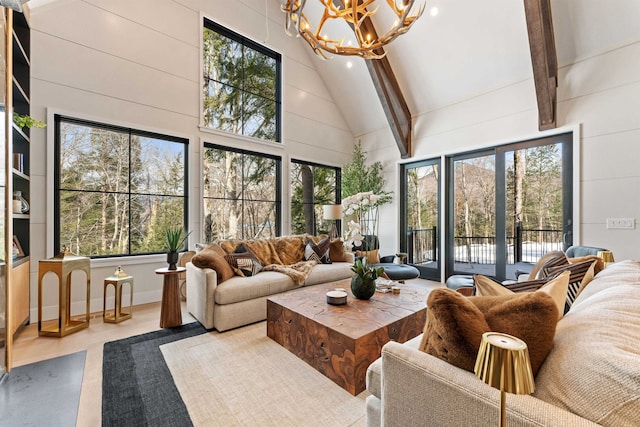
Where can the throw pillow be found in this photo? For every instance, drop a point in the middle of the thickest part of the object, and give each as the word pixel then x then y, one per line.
pixel 371 256
pixel 454 328
pixel 318 252
pixel 600 265
pixel 550 259
pixel 336 251
pixel 455 324
pixel 557 287
pixel 530 316
pixel 244 264
pixel 579 272
pixel 213 257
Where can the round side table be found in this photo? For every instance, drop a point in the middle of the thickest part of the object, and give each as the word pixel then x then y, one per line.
pixel 170 314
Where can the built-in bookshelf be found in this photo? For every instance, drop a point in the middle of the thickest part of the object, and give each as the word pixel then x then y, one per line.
pixel 20 168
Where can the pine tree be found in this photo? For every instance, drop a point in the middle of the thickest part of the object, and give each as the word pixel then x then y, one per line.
pixel 357 177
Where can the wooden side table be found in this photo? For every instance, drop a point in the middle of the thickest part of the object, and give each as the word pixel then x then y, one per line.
pixel 170 314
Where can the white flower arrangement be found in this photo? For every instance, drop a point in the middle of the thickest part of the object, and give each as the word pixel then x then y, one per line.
pixel 363 210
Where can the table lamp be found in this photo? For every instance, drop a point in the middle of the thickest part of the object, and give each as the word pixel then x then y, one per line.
pixel 503 363
pixel 607 257
pixel 332 213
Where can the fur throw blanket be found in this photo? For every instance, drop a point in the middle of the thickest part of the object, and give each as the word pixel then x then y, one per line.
pixel 279 250
pixel 298 272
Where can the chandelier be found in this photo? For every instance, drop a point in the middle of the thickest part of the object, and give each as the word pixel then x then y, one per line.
pixel 357 16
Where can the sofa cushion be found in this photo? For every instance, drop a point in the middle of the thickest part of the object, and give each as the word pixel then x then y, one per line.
pixel 593 368
pixel 550 259
pixel 581 274
pixel 336 251
pixel 455 324
pixel 556 287
pixel 244 263
pixel 324 273
pixel 239 289
pixel 530 316
pixel 371 256
pixel 212 257
pixel 318 251
pixel 454 328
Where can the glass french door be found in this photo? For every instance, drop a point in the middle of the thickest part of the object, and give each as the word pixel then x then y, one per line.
pixel 509 205
pixel 420 216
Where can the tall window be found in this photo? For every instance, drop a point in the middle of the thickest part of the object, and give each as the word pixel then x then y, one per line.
pixel 312 186
pixel 116 189
pixel 241 194
pixel 241 84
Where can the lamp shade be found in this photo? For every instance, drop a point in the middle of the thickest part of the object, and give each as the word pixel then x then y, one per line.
pixel 607 256
pixel 330 212
pixel 503 363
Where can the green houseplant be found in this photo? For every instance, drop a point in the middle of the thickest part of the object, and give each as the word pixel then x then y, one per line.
pixel 27 121
pixel 363 283
pixel 174 241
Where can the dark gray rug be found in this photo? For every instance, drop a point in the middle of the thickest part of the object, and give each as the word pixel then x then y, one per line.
pixel 137 387
pixel 45 393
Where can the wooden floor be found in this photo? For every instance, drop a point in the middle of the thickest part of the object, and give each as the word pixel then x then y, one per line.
pixel 29 348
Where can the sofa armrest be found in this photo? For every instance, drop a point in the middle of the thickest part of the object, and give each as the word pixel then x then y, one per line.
pixel 201 287
pixel 417 387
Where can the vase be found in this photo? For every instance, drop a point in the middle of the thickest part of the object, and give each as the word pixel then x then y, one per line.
pixel 362 288
pixel 20 205
pixel 172 259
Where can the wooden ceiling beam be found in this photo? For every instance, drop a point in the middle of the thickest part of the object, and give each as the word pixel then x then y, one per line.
pixel 543 59
pixel 393 102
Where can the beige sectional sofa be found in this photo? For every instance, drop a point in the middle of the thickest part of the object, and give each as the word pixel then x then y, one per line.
pixel 239 301
pixel 590 377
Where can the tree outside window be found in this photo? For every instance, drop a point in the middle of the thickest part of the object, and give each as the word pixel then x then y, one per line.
pixel 241 92
pixel 117 189
pixel 312 186
pixel 241 194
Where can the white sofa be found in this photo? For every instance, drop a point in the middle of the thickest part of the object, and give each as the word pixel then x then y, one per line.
pixel 590 377
pixel 240 301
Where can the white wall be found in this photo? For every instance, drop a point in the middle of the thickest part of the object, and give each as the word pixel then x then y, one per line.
pixel 137 63
pixel 599 95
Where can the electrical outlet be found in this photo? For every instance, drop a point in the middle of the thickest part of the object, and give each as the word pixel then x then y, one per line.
pixel 621 223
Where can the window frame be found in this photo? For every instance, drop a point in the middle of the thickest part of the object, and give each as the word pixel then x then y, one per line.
pixel 58 119
pixel 247 42
pixel 338 189
pixel 278 183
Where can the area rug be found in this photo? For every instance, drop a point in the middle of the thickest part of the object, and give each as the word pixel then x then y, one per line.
pixel 243 378
pixel 45 393
pixel 137 388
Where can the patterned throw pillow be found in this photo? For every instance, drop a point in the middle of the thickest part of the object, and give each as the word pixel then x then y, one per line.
pixel 581 274
pixel 318 251
pixel 244 264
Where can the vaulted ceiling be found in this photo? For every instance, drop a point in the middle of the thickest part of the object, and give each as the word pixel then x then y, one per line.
pixel 474 47
pixel 466 49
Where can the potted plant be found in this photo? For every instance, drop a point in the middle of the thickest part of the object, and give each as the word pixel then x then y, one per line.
pixel 363 283
pixel 26 121
pixel 174 240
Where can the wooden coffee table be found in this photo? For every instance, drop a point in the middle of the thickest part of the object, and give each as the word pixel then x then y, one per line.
pixel 342 341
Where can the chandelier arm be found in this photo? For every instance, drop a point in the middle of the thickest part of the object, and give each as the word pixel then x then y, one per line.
pixel 355 14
